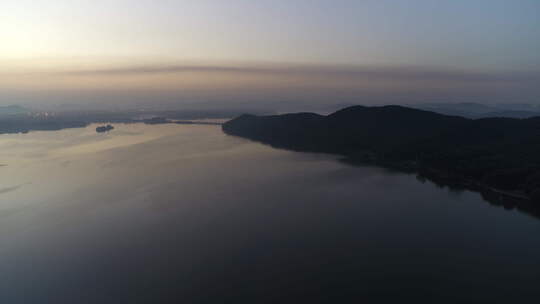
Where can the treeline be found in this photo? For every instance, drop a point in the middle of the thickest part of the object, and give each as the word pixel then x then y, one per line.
pixel 25 124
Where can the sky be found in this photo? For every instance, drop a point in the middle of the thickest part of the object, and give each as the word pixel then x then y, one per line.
pixel 140 52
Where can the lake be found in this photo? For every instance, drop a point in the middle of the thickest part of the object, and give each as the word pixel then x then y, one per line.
pixel 186 214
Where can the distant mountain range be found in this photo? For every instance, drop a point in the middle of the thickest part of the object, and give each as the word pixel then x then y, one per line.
pixel 477 110
pixel 502 154
pixel 13 110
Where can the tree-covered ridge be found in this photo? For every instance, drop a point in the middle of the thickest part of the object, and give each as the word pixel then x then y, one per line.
pixel 502 153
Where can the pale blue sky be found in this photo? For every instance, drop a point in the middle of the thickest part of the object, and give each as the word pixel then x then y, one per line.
pixel 483 34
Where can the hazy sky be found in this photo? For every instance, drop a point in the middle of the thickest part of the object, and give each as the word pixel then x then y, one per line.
pixel 372 51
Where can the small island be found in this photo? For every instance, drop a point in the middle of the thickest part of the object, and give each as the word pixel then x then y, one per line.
pixel 102 129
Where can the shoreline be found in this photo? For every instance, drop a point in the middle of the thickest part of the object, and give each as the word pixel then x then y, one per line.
pixel 497 197
pixel 442 176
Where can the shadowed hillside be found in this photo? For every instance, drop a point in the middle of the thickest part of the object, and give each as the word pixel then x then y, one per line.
pixel 501 154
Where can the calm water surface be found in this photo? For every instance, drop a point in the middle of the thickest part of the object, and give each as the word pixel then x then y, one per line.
pixel 186 214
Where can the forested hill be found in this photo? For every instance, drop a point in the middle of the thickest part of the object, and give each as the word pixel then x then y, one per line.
pixel 498 152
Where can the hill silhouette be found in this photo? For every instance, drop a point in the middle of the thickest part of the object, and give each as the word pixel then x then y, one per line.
pixel 501 154
pixel 478 110
pixel 13 110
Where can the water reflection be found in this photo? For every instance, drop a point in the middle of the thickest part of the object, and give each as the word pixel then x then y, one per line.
pixel 457 186
pixel 176 213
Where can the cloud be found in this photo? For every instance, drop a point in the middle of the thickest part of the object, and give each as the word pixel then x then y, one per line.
pixel 409 73
pixel 9 189
pixel 288 86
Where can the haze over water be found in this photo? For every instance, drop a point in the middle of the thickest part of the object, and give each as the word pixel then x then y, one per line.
pixel 174 213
